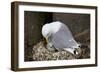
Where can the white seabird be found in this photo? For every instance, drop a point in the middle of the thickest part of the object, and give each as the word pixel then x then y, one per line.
pixel 58 36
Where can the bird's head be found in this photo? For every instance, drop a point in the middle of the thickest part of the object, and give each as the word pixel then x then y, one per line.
pixel 51 28
pixel 46 32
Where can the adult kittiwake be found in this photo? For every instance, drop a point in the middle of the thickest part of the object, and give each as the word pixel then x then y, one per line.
pixel 59 37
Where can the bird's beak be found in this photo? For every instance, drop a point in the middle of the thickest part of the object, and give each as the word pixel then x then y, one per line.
pixel 46 40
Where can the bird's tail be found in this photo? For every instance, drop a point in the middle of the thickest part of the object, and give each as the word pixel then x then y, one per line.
pixel 71 50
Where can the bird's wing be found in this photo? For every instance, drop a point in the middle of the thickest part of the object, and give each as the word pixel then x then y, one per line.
pixel 61 39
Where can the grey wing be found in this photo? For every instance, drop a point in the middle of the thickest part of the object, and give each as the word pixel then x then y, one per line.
pixel 61 39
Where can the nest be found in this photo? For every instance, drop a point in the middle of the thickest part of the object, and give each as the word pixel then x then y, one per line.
pixel 41 53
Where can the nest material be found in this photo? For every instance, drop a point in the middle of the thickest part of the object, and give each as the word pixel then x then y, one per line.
pixel 41 53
